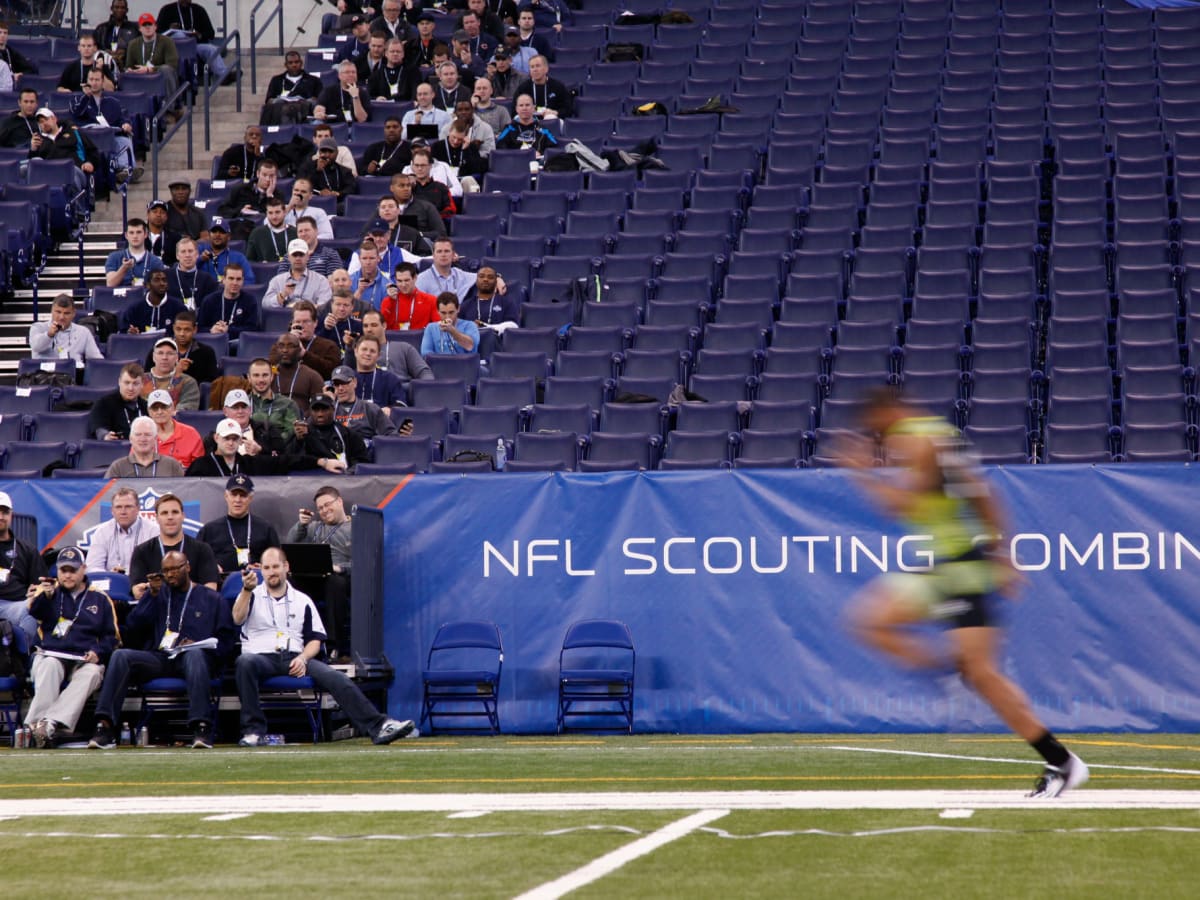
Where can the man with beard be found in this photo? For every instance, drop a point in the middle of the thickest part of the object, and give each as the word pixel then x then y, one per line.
pixel 327 177
pixel 196 359
pixel 321 436
pixel 291 93
pixel 113 36
pixel 269 241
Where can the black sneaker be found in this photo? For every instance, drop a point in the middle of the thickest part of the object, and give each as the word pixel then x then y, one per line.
pixel 103 739
pixel 202 737
pixel 392 730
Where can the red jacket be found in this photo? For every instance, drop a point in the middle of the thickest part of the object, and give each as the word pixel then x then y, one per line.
pixel 417 310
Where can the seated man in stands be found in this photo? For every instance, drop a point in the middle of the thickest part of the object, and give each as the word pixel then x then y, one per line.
pixel 56 140
pixel 186 282
pixel 75 74
pixel 484 26
pixel 327 177
pixel 368 283
pixel 388 156
pixel 488 111
pixel 339 325
pixel 239 538
pixel 233 450
pixel 420 48
pixel 344 157
pixel 114 35
pixel 390 238
pixel 207 617
pixel 426 187
pixel 451 334
pixel 166 375
pixel 400 358
pixel 149 556
pixel 216 254
pixel 228 310
pixel 429 221
pixel 112 415
pixel 196 359
pixel 526 131
pixel 111 545
pixel 344 101
pixel 269 241
pixel 324 438
pixel 183 216
pixel 394 81
pixel 443 275
pixel 152 313
pixel 291 93
pixel 96 110
pixel 153 52
pixel 486 306
pixel 144 460
pixel 547 14
pixel 183 17
pixel 241 160
pixel 463 157
pixel 268 408
pixel 424 112
pixel 24 567
pixel 359 413
pixel 408 307
pixel 358 42
pixel 292 377
pixel 262 438
pixel 320 353
pixel 250 200
pixel 471 66
pixel 550 96
pixel 510 63
pixel 298 281
pixel 175 439
pixel 389 22
pixel 449 90
pixel 270 649
pixel 131 264
pixel 373 59
pixel 79 623
pixel 59 338
pixel 300 207
pixel 160 240
pixel 339 283
pixel 19 126
pixel 479 134
pixel 375 383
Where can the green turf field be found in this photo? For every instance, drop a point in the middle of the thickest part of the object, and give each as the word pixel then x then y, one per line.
pixel 502 816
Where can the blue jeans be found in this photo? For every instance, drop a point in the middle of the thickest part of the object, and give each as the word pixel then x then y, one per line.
pixel 18 613
pixel 140 666
pixel 253 668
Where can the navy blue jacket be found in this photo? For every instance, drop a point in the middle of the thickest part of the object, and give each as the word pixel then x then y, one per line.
pixel 94 628
pixel 206 615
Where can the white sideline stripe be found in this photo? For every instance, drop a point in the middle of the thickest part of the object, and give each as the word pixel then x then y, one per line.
pixel 610 862
pixel 1004 759
pixel 601 800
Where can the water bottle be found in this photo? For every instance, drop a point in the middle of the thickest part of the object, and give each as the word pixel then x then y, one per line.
pixel 126 734
pixel 143 737
pixel 501 455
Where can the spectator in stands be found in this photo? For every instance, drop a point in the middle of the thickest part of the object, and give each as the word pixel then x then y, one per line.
pixel 321 257
pixel 18 64
pixel 368 284
pixel 339 283
pixel 345 157
pixel 239 538
pixel 269 241
pixel 469 65
pixel 375 383
pixel 338 324
pixel 394 80
pixel 518 56
pixel 269 649
pixel 530 37
pixel 152 313
pixel 196 359
pixel 389 156
pixel 389 22
pixel 56 140
pixel 186 282
pixel 424 112
pixel 400 358
pixel 93 109
pixel 550 96
pixel 493 114
pixel 327 177
pixel 488 25
pixel 216 254
pixel 113 414
pixel 429 222
pixel 407 307
pixel 266 406
pixel 166 375
pixel 182 214
pixel 184 17
pixel 208 617
pixel 177 440
pixel 260 438
pixel 420 48
pixel 115 34
pixel 23 567
pixel 380 233
pixel 298 281
pixel 250 200
pixel 229 310
pixel 230 452
pixel 322 437
pixel 549 14
pixel 6 77
pixel 159 239
pixel 149 556
pixel 154 52
pixel 457 152
pixel 75 622
pixel 59 338
pixel 19 126
pixel 357 412
pixel 450 334
pixel 300 207
pixel 479 134
pixel 321 354
pixel 443 276
pixel 371 61
pixel 293 377
pixel 437 193
pixel 111 545
pixel 241 160
pixel 486 306
pixel 144 460
pixel 526 131
pixel 343 101
pixel 359 41
pixel 448 91
pixel 291 93
pixel 75 74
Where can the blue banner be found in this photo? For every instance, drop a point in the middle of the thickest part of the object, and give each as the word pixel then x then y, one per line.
pixel 736 587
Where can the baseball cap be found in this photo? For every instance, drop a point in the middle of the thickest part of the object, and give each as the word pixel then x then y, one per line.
pixel 178 182
pixel 146 19
pixel 165 340
pixel 70 557
pixel 379 226
pixel 426 16
pixel 156 204
pixel 500 54
pixel 320 400
pixel 227 427
pixel 342 374
pixel 357 20
pixel 512 29
pixel 297 246
pixel 5 501
pixel 234 397
pixel 43 113
pixel 218 224
pixel 162 397
pixel 240 482
pixel 327 144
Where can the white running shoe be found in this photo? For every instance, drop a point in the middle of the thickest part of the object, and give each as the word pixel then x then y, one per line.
pixel 1055 781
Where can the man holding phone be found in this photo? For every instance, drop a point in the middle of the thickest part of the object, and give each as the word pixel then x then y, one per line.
pixel 20 566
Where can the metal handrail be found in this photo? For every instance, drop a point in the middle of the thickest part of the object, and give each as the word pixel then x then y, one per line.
pixel 255 34
pixel 209 88
pixel 156 124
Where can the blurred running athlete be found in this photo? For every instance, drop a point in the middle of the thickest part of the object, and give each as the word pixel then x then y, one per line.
pixel 935 490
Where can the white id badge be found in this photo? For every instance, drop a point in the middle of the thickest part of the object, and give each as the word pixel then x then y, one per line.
pixel 394 89
pixel 137 282
pixel 348 113
pixel 63 626
pixel 169 640
pixel 243 556
pixel 4 575
pixel 62 352
pixel 280 642
pixel 341 457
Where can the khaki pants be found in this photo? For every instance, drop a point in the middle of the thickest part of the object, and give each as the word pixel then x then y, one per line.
pixel 51 700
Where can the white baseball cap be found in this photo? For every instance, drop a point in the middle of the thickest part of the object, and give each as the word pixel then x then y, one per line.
pixel 228 426
pixel 233 398
pixel 297 246
pixel 160 396
pixel 5 501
